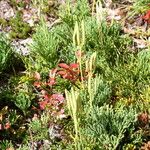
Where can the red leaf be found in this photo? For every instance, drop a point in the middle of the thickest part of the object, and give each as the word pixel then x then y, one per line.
pixel 66 76
pixel 58 97
pixel 7 126
pixel 47 97
pixel 61 72
pixel 43 92
pixel 1 127
pixel 43 104
pixel 63 65
pixel 147 17
pixel 74 65
pixel 52 73
pixel 37 84
pixel 51 82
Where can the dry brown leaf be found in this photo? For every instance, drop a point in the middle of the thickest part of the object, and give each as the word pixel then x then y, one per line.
pixel 146 146
pixel 128 31
pixel 1 117
pixel 140 43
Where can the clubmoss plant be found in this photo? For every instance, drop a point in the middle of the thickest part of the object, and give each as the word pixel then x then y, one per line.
pixel 6 54
pixel 44 50
pixel 107 126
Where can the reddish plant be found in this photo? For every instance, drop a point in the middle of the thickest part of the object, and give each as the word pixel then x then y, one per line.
pixel 1 127
pixel 143 118
pixel 52 79
pixel 48 99
pixel 43 104
pixel 146 17
pixel 7 125
pixel 51 100
pixel 70 72
pixel 37 84
pixel 37 77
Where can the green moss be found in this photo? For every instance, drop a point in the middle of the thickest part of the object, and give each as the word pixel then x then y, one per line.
pixel 20 29
pixel 3 22
pixel 6 54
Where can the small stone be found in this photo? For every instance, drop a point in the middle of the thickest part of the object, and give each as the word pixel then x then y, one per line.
pixel 6 11
pixel 21 46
